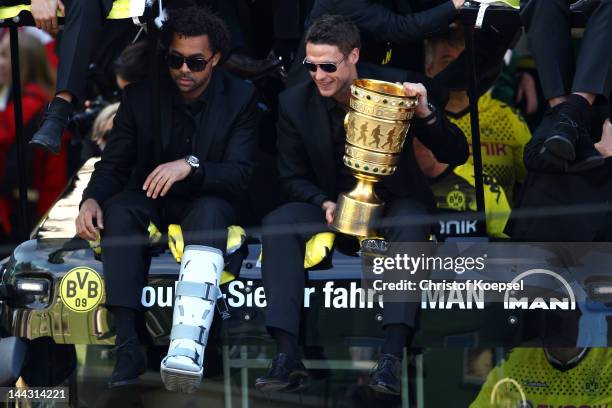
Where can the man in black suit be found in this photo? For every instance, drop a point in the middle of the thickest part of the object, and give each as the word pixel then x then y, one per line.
pixel 311 140
pixel 207 153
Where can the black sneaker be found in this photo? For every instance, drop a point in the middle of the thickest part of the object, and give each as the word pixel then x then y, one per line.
pixel 286 374
pixel 55 120
pixel 130 364
pixel 385 376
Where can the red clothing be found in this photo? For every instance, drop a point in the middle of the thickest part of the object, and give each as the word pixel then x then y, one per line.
pixel 34 99
pixel 51 55
pixel 48 171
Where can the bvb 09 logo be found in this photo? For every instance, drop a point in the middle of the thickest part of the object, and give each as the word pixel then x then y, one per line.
pixel 81 289
pixel 456 199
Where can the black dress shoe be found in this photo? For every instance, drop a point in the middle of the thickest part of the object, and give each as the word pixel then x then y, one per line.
pixel 550 162
pixel 286 374
pixel 385 376
pixel 55 120
pixel 130 364
pixel 587 156
pixel 565 135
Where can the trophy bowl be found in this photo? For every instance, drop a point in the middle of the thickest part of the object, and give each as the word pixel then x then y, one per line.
pixel 376 128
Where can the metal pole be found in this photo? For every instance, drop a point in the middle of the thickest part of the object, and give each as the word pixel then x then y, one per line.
pixel 244 377
pixel 420 382
pixel 481 225
pixel 404 380
pixel 19 137
pixel 227 379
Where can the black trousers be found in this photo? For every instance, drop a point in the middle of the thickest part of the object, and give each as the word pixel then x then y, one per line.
pixel 548 31
pixel 125 246
pixel 285 232
pixel 82 28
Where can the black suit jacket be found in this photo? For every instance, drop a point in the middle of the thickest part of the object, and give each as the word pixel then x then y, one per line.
pixel 306 156
pixel 226 145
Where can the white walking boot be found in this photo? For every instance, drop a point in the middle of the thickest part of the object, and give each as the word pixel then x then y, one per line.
pixel 194 307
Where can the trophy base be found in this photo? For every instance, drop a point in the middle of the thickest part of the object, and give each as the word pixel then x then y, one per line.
pixel 356 217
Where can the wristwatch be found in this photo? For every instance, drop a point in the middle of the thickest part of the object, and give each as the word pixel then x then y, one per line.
pixel 429 119
pixel 193 162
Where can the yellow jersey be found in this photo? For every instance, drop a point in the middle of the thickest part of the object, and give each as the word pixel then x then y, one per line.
pixel 503 136
pixel 455 191
pixel 526 379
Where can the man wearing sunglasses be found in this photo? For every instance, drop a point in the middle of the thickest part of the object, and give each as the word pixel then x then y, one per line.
pixel 311 140
pixel 193 176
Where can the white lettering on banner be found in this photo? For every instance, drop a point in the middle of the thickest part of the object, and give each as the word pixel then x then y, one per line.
pixel 437 299
pixel 247 294
pixel 148 296
pixel 512 302
pixel 461 227
pixel 538 303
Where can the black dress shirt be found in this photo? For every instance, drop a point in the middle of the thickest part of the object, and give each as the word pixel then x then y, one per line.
pixel 186 120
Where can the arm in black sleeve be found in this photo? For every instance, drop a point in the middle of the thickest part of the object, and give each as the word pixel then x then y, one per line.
pixel 293 166
pixel 233 174
pixel 385 25
pixel 118 157
pixel 446 141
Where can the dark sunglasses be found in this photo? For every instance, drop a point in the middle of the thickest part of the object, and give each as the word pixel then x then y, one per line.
pixel 195 64
pixel 329 67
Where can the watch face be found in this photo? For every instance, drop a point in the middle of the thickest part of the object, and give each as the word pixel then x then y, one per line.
pixel 193 161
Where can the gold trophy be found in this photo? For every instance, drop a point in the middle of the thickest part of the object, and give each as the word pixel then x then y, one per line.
pixel 376 128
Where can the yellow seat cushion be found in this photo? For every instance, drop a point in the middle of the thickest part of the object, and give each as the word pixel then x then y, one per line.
pixel 12 11
pixel 318 247
pixel 236 236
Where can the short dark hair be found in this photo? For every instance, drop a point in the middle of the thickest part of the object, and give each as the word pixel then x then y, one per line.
pixel 193 21
pixel 334 30
pixel 131 64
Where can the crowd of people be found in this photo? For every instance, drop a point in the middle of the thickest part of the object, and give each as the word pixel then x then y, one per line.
pixel 185 145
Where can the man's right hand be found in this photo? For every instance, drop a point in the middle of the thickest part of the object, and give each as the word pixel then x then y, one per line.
pixel 329 208
pixel 90 211
pixel 604 146
pixel 45 14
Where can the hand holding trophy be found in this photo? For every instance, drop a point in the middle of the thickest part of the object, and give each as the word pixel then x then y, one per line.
pixel 376 128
